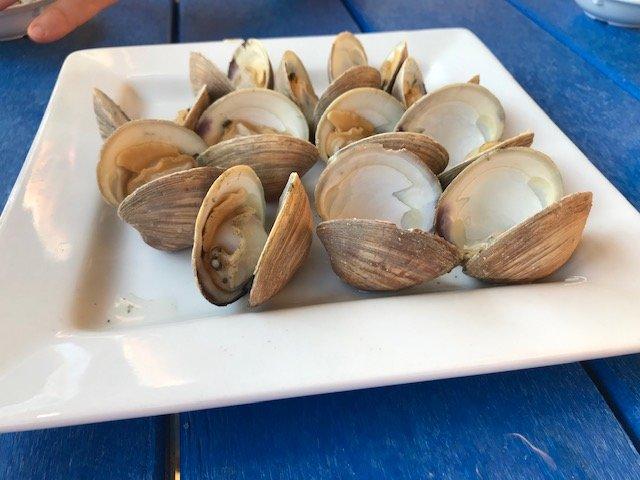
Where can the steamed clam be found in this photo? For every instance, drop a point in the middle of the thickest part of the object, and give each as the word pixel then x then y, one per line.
pixel 204 73
pixel 109 114
pixel 142 150
pixel 461 116
pixel 250 66
pixel 231 244
pixel 378 208
pixel 346 52
pixel 391 65
pixel 292 80
pixel 508 214
pixel 354 115
pixel 408 86
pixel 251 111
pixel 189 117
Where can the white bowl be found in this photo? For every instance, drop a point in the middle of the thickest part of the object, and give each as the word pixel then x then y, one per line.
pixel 621 13
pixel 14 21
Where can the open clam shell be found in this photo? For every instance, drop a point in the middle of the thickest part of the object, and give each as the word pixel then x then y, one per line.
pixel 354 77
pixel 292 80
pixel 189 118
pixel 142 150
pixel 250 66
pixel 372 182
pixel 108 113
pixel 506 213
pixel 287 246
pixel 425 148
pixel 356 114
pixel 378 256
pixel 460 116
pixel 524 139
pixel 273 157
pixel 251 111
pixel 408 86
pixel 204 73
pixel 391 65
pixel 346 52
pixel 164 210
pixel 229 236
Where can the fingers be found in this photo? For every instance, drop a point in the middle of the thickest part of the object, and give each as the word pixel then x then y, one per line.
pixel 64 16
pixel 6 3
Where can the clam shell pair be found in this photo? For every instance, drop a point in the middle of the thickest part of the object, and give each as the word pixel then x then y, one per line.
pixel 232 252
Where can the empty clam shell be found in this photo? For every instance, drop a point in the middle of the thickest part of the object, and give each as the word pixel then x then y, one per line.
pixel 229 235
pixel 346 52
pixel 356 114
pixel 142 150
pixel 524 139
pixel 425 148
pixel 391 65
pixel 379 256
pixel 108 113
pixel 273 157
pixel 287 246
pixel 537 247
pixel 461 117
pixel 371 182
pixel 204 73
pixel 251 111
pixel 164 210
pixel 354 77
pixel 408 86
pixel 250 66
pixel 292 80
pixel 189 118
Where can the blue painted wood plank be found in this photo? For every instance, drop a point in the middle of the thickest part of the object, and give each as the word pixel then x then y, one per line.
pixel 618 379
pixel 587 105
pixel 131 449
pixel 535 424
pixel 612 50
pixel 218 19
pixel 28 72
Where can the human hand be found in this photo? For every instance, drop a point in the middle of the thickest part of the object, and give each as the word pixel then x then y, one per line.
pixel 61 17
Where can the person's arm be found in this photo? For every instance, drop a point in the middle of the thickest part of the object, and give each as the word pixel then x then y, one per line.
pixel 61 17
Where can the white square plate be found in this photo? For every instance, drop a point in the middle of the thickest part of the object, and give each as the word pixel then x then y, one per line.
pixel 72 350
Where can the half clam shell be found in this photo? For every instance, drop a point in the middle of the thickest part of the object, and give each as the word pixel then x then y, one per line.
pixel 142 150
pixel 346 52
pixel 273 157
pixel 460 116
pixel 391 65
pixel 292 80
pixel 204 73
pixel 408 86
pixel 189 118
pixel 164 210
pixel 108 113
pixel 356 114
pixel 251 111
pixel 250 66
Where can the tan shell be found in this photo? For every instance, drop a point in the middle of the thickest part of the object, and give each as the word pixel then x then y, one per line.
pixel 524 139
pixel 138 133
pixel 408 86
pixel 355 77
pixel 273 157
pixel 391 65
pixel 379 256
pixel 204 73
pixel 236 180
pixel 250 66
pixel 190 118
pixel 475 79
pixel 287 246
pixel 164 210
pixel 292 80
pixel 427 149
pixel 537 247
pixel 109 115
pixel 346 52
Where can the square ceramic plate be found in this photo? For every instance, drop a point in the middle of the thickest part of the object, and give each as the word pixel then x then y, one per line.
pixel 95 325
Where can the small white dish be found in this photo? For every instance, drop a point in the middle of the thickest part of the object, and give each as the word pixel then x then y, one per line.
pixel 96 325
pixel 619 13
pixel 14 21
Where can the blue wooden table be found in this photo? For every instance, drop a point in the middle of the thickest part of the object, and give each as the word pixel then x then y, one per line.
pixel 573 421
